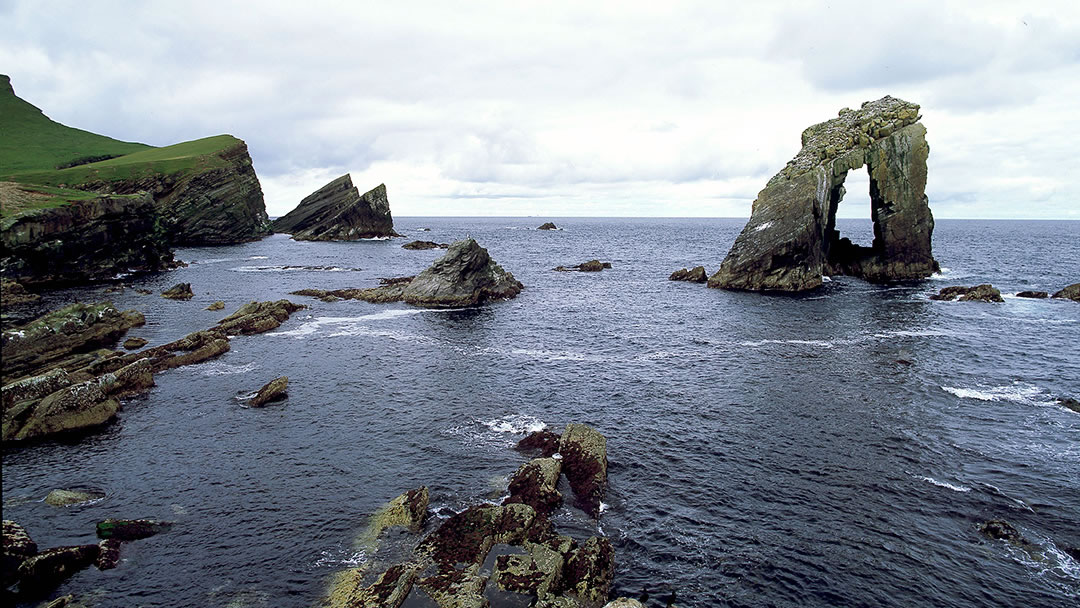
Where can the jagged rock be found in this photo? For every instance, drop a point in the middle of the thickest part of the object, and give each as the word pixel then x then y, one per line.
pixel 30 349
pixel 420 245
pixel 180 291
pixel 590 570
pixel 456 589
pixel 108 554
pixel 584 455
pixel 548 226
pixel 1072 292
pixel 1033 294
pixel 197 347
pixel 131 529
pixel 468 536
pixel 257 317
pixel 219 305
pixel 590 266
pixel 273 391
pixel 545 442
pixel 50 567
pixel 35 387
pixel 388 591
pixel 791 240
pixel 13 293
pixel 538 572
pixel 624 602
pixel 66 498
pixel 83 240
pixel 999 529
pixel 536 484
pixel 337 212
pixel 135 343
pixel 76 407
pixel 694 275
pixel 1069 402
pixel 979 293
pixel 17 547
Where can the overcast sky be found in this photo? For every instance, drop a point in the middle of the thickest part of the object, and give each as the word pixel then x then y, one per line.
pixel 552 109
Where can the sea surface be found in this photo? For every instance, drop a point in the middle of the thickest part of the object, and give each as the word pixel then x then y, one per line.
pixel 838 448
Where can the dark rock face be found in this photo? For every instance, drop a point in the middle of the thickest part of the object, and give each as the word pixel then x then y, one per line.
pixel 1072 292
pixel 17 547
pixel 1033 294
pixel 337 212
pixel 548 226
pixel 978 293
pixel 1069 402
pixel 275 390
pixel 420 245
pixel 584 452
pixel 694 275
pixel 131 529
pixel 544 442
pixel 791 239
pixel 84 241
pixel 180 291
pixel 590 266
pixel 49 568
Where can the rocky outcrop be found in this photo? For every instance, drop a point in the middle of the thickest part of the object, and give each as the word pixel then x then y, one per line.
pixel 50 567
pixel 67 498
pixel 590 266
pixel 17 547
pixel 1039 295
pixel 219 305
pixel 536 484
pixel 275 390
pixel 135 343
pixel 548 226
pixel 791 239
pixel 180 291
pixel 584 453
pixel 13 293
pixel 337 212
pixel 1069 402
pixel 82 240
pixel 257 317
pixel 465 276
pixel 131 529
pixel 694 275
pixel 978 293
pixel 1072 292
pixel 545 442
pixel 422 245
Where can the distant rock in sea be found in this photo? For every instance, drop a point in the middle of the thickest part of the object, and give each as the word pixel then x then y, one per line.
pixel 548 226
pixel 978 293
pixel 590 266
pixel 420 245
pixel 791 239
pixel 337 212
pixel 1072 292
pixel 694 275
pixel 1033 294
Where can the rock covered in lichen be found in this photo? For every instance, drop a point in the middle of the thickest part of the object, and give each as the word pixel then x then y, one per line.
pixel 274 390
pixel 67 498
pixel 584 462
pixel 180 291
pixel 257 317
pixel 694 275
pixel 536 484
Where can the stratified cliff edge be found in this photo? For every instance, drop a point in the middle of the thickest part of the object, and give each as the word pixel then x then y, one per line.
pixel 337 212
pixel 791 239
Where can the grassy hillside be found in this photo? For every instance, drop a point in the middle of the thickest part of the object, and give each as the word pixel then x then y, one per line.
pixel 30 141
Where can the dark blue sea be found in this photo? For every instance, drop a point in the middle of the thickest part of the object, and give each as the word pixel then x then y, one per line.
pixel 837 448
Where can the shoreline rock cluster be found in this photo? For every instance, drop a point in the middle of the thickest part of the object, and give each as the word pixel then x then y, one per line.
pixel 488 550
pixel 989 293
pixel 590 266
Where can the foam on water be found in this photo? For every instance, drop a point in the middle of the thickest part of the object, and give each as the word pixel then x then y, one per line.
pixel 352 325
pixel 291 268
pixel 943 484
pixel 340 558
pixel 517 424
pixel 218 368
pixel 1017 392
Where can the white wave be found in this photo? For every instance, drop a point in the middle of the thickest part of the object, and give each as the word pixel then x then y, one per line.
pixel 825 279
pixel 603 507
pixel 911 333
pixel 944 484
pixel 214 260
pixel 660 354
pixel 517 424
pixel 245 397
pixel 338 558
pixel 259 257
pixel 1017 392
pixel 376 238
pixel 547 355
pixel 217 368
pixel 821 343
pixel 352 325
pixel 290 268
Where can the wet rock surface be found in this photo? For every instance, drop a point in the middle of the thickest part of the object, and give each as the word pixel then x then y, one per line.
pixel 978 293
pixel 536 484
pixel 791 239
pixel 337 212
pixel 180 291
pixel 258 317
pixel 1033 294
pixel 584 454
pixel 131 529
pixel 52 566
pixel 543 442
pixel 1071 292
pixel 275 390
pixel 693 275
pixel 65 498
pixel 421 245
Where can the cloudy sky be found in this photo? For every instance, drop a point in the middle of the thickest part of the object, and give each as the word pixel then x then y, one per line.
pixel 568 109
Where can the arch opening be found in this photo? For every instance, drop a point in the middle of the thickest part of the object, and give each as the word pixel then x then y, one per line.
pixel 843 254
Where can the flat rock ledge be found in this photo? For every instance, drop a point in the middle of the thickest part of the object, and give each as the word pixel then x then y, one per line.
pixel 791 239
pixel 978 293
pixel 488 555
pixel 465 276
pixel 590 266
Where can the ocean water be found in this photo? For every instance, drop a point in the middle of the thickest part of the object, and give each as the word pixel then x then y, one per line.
pixel 837 448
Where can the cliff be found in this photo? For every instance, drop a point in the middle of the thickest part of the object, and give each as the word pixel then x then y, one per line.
pixel 337 212
pixel 55 236
pixel 791 239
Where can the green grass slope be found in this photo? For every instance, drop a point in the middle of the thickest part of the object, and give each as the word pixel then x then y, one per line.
pixel 31 141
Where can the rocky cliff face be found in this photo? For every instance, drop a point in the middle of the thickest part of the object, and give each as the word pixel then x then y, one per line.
pixel 337 212
pixel 215 206
pixel 83 240
pixel 791 239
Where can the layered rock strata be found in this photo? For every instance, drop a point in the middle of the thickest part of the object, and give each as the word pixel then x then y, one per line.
pixel 791 239
pixel 337 212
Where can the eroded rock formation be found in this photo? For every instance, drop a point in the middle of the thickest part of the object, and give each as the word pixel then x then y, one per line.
pixel 337 212
pixel 791 239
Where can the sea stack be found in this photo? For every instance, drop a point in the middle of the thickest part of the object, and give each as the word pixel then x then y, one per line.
pixel 337 212
pixel 791 239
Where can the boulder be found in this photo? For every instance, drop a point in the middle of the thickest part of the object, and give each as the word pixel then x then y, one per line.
pixel 257 317
pixel 337 212
pixel 17 547
pixel 135 343
pixel 1072 292
pixel 547 226
pixel 73 408
pixel 131 529
pixel 420 245
pixel 536 484
pixel 978 293
pixel 468 536
pixel 538 572
pixel 12 293
pixel 388 591
pixel 180 291
pixel 791 239
pixel 1069 402
pixel 35 347
pixel 1033 294
pixel 108 554
pixel 694 275
pixel 34 387
pixel 590 570
pixel 219 305
pixel 590 266
pixel 584 462
pixel 50 567
pixel 275 390
pixel 66 498
pixel 545 442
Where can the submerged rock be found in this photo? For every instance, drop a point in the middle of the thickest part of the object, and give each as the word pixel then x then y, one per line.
pixel 1072 292
pixel 66 498
pixel 590 266
pixel 547 226
pixel 131 529
pixel 584 454
pixel 337 212
pixel 50 567
pixel 420 245
pixel 978 293
pixel 1033 294
pixel 694 275
pixel 791 239
pixel 219 305
pixel 1069 402
pixel 180 291
pixel 275 390
pixel 17 547
pixel 135 343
